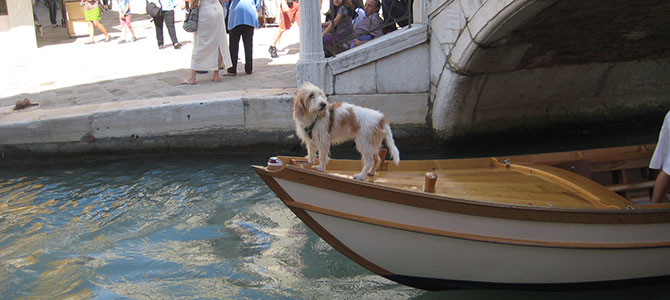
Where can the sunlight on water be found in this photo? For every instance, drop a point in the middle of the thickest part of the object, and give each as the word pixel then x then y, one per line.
pixel 165 227
pixel 174 227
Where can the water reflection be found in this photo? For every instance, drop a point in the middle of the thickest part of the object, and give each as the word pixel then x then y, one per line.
pixel 176 227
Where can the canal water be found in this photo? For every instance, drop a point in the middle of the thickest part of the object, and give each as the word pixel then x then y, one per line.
pixel 187 226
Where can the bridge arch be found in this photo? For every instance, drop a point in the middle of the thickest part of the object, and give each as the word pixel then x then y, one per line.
pixel 503 64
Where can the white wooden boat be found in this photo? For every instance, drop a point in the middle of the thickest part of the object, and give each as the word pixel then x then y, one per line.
pixel 520 222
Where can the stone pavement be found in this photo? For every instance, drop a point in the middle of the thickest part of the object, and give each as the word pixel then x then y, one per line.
pixel 64 71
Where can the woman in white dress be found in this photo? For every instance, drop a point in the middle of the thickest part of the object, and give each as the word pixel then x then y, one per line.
pixel 210 41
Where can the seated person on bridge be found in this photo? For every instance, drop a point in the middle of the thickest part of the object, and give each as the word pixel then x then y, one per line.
pixel 337 32
pixel 661 160
pixel 370 27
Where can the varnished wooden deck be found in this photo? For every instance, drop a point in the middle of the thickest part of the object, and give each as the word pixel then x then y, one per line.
pixel 530 180
pixel 516 185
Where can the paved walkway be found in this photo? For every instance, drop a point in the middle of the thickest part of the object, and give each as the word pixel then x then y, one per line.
pixel 64 71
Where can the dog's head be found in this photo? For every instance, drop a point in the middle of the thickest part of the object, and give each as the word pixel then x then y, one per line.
pixel 309 101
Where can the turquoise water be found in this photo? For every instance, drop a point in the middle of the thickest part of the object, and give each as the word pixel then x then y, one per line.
pixel 181 227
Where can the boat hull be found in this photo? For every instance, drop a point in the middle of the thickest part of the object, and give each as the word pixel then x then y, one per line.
pixel 434 243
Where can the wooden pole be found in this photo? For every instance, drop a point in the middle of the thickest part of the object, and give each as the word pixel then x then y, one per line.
pixel 429 184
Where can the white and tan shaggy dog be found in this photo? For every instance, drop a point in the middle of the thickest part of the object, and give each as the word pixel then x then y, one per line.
pixel 320 124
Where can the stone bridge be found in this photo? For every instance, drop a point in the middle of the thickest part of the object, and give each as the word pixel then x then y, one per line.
pixel 504 64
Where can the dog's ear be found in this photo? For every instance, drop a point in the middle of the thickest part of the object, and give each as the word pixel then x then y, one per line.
pixel 299 105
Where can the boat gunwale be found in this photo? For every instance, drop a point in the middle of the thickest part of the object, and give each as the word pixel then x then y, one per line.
pixel 423 200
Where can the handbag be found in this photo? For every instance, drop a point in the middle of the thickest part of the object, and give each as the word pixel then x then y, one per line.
pixel 191 21
pixel 153 10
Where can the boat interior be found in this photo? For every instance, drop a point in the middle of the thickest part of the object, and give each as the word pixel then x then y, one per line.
pixel 612 178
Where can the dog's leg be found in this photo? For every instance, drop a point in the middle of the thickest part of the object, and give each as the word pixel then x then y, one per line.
pixel 368 165
pixel 375 165
pixel 323 156
pixel 311 152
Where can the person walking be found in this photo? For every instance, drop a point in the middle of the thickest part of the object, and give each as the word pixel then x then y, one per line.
pixel 289 12
pixel 92 15
pixel 242 21
pixel 124 19
pixel 53 12
pixel 167 15
pixel 210 41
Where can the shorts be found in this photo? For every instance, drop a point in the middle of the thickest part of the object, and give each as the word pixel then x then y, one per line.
pixel 287 18
pixel 124 20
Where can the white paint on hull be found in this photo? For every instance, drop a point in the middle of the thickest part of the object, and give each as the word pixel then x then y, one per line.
pixel 413 254
pixel 476 225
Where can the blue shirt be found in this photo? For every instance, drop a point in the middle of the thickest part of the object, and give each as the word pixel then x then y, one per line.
pixel 243 12
pixel 122 4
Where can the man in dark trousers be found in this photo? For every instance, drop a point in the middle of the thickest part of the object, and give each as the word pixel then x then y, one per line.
pixel 53 11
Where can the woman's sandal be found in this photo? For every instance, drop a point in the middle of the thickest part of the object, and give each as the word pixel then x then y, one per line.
pixel 186 82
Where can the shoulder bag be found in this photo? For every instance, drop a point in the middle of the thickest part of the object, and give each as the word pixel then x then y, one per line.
pixel 191 21
pixel 152 9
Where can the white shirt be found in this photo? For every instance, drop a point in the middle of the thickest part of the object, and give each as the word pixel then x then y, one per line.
pixel 661 157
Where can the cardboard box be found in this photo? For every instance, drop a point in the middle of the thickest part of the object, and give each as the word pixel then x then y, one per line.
pixel 76 21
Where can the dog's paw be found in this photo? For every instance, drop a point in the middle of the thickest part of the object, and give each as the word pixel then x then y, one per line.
pixel 319 168
pixel 360 176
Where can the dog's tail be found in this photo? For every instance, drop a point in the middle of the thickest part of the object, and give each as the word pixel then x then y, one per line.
pixel 395 154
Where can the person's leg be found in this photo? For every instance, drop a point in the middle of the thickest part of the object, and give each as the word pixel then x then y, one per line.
pixel 169 22
pixel 158 22
pixel 35 14
pixel 660 187
pixel 191 78
pixel 130 26
pixel 273 47
pixel 63 13
pixel 122 22
pixel 248 40
pixel 102 28
pixel 215 74
pixel 277 37
pixel 52 12
pixel 328 45
pixel 234 47
pixel 91 32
